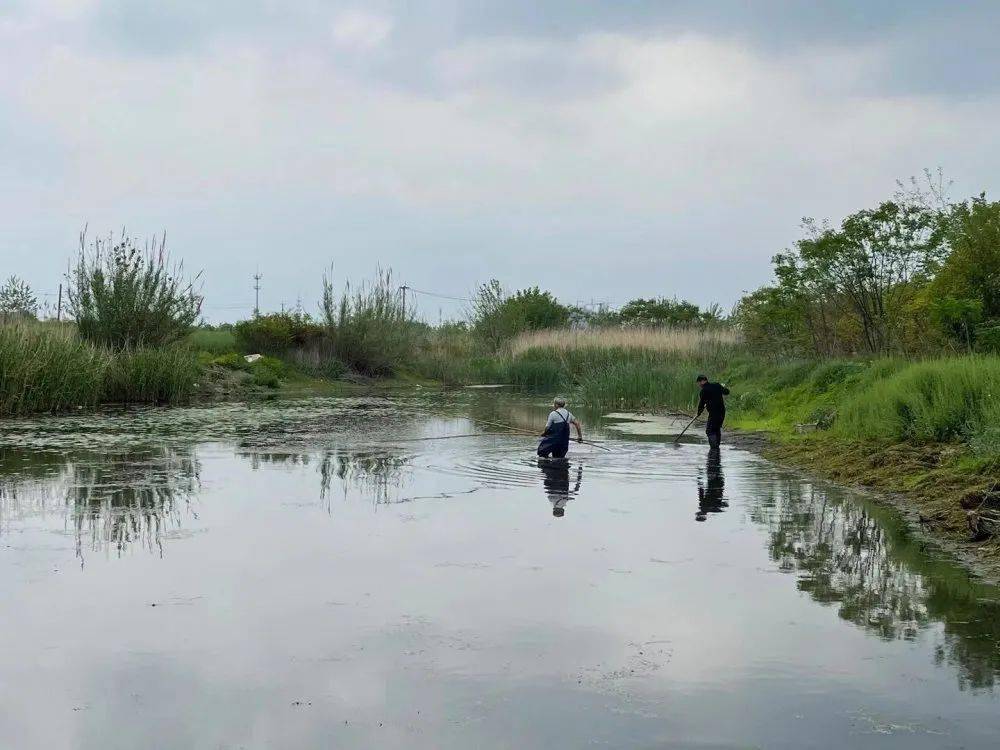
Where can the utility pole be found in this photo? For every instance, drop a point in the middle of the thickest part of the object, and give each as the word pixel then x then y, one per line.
pixel 404 288
pixel 59 306
pixel 256 287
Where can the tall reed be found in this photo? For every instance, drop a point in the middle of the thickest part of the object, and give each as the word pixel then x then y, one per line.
pixel 369 327
pixel 657 339
pixel 46 367
pixel 151 376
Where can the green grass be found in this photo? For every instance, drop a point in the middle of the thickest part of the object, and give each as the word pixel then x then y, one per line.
pixel 951 399
pixel 150 376
pixel 47 367
pixel 934 401
pixel 211 340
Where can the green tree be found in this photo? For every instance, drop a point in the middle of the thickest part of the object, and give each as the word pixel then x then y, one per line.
pixel 17 300
pixel 498 317
pixel 873 260
pixel 658 312
pixel 533 310
pixel 487 314
pixel 967 288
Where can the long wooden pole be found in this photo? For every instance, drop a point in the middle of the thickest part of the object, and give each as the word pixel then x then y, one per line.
pixel 678 438
pixel 535 434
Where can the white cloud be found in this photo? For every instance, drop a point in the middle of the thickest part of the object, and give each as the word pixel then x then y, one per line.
pixel 639 151
pixel 361 29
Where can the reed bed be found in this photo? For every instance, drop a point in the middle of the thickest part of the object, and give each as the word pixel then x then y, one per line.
pixel 47 367
pixel 659 339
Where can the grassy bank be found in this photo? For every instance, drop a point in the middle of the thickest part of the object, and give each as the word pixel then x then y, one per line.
pixel 926 430
pixel 47 367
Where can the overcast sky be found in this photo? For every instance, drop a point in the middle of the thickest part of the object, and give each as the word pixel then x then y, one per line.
pixel 603 150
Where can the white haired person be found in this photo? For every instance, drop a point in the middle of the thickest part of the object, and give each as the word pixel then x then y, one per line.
pixel 555 439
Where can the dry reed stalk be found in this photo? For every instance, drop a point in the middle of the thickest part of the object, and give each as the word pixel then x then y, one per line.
pixel 653 339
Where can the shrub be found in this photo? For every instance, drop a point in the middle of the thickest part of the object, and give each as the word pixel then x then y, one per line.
pixel 17 300
pixel 498 317
pixel 267 372
pixel 318 361
pixel 369 329
pixel 276 334
pixel 124 296
pixel 231 361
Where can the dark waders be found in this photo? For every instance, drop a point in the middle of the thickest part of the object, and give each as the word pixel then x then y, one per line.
pixel 555 442
pixel 713 428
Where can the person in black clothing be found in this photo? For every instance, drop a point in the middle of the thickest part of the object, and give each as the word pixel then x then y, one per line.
pixel 712 399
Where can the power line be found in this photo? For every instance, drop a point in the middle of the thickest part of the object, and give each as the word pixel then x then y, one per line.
pixel 442 296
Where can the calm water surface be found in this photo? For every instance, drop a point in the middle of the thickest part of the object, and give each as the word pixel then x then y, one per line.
pixel 303 574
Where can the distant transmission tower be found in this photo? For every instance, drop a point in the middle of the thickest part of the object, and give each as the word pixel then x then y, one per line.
pixel 256 288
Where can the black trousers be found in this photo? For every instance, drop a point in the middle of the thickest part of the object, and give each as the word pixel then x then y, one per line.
pixel 713 429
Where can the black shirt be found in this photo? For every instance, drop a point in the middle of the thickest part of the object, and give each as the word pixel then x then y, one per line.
pixel 712 398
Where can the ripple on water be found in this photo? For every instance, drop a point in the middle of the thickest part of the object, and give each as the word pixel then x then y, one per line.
pixel 503 462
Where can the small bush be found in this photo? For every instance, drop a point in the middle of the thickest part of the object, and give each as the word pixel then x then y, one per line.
pixel 231 361
pixel 988 338
pixel 276 334
pixel 17 301
pixel 267 372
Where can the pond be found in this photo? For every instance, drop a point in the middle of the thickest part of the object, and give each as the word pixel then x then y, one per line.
pixel 313 572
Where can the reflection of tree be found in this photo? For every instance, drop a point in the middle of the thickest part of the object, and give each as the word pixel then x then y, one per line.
pixel 863 559
pixel 132 498
pixel 373 472
pixel 112 500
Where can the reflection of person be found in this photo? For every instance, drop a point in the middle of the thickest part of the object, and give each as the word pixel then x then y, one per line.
pixel 555 438
pixel 555 478
pixel 711 490
pixel 712 399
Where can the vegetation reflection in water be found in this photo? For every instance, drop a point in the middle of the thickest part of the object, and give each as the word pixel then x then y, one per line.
pixel 849 552
pixel 843 550
pixel 110 501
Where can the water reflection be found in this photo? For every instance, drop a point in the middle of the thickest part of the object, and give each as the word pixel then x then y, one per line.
pixel 861 557
pixel 377 474
pixel 556 481
pixel 111 501
pixel 711 487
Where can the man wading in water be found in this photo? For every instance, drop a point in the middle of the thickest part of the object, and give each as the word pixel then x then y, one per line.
pixel 555 439
pixel 712 399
